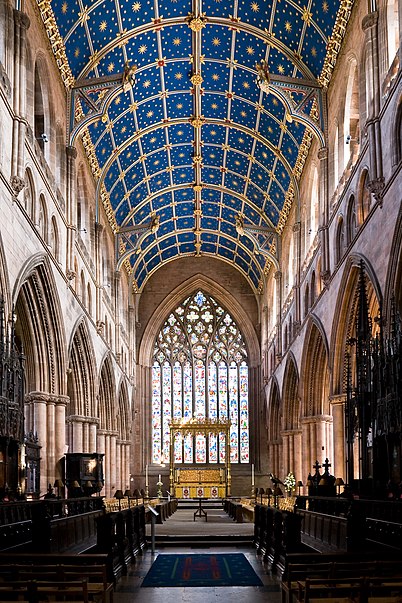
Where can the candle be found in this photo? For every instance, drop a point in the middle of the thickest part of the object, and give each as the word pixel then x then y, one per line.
pixel 252 474
pixel 159 478
pixel 146 476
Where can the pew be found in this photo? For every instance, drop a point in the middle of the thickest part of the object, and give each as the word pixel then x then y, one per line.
pixel 34 591
pixel 69 568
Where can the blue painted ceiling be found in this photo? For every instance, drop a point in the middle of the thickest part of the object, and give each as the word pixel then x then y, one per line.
pixel 149 151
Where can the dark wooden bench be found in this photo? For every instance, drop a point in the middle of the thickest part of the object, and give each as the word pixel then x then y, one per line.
pixel 34 591
pixel 69 568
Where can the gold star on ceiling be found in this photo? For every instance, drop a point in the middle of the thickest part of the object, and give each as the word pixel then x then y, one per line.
pixel 64 8
pixel 142 49
pixel 250 50
pixel 306 16
pixel 176 41
pixel 288 26
pixel 136 6
pixel 216 41
pixel 255 7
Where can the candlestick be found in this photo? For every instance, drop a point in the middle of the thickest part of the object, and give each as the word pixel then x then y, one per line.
pixel 159 478
pixel 252 474
pixel 146 476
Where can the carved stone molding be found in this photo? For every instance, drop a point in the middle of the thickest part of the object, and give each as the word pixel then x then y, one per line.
pixel 82 419
pixel 17 184
pixel 325 276
pixel 70 274
pixel 322 153
pixel 99 327
pixel 71 152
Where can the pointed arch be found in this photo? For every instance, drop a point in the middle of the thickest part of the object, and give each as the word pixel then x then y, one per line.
pixel 107 396
pixel 41 327
pixel 314 370
pixel 274 428
pixel 221 295
pixel 345 315
pixel 82 372
pixel 123 412
pixel 290 395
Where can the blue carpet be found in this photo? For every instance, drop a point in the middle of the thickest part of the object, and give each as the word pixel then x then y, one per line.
pixel 231 569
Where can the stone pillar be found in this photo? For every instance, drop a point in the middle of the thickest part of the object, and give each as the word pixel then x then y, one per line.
pixel 373 124
pixel 108 483
pixel 38 401
pixel 51 438
pixel 285 452
pixel 60 430
pixel 92 437
pixel 113 459
pixel 21 25
pixel 324 214
pixel 127 462
pixel 338 430
pixel 118 465
pixel 76 424
pixel 117 313
pixel 71 204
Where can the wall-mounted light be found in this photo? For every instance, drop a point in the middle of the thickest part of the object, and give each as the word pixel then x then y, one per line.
pixel 43 137
pixel 348 139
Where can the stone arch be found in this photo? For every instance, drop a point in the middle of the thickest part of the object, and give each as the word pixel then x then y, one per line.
pixel 108 434
pixel 4 280
pixel 43 113
pixel 40 328
pixel 339 240
pixel 291 430
pixel 29 195
pixel 107 395
pixel 41 325
pixel 315 388
pixel 345 314
pixel 396 134
pixel 81 373
pixel 290 395
pixel 123 425
pixel 350 220
pixel 274 423
pixel 393 288
pixel 221 295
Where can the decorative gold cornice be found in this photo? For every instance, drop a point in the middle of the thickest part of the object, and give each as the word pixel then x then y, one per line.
pixel 56 42
pixel 335 41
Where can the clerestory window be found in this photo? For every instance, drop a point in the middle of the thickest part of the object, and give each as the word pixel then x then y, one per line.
pixel 200 372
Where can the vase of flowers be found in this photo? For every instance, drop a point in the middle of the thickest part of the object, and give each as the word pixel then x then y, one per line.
pixel 159 491
pixel 289 482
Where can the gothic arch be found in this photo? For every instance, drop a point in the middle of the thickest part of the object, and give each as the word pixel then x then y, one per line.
pixel 274 424
pixel 394 276
pixel 173 300
pixel 123 412
pixel 4 280
pixel 345 313
pixel 290 395
pixel 82 372
pixel 107 395
pixel 314 371
pixel 40 326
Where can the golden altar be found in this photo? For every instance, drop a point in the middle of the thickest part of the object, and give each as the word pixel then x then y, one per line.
pixel 201 481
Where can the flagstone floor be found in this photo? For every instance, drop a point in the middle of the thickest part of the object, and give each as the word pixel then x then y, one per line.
pixel 128 589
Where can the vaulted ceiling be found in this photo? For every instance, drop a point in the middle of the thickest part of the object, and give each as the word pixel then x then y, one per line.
pixel 181 137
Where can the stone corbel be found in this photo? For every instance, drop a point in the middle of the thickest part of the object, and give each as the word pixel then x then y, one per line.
pixel 376 188
pixel 17 184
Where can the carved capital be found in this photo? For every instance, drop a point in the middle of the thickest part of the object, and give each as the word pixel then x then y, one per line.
pixel 4 81
pixel 278 275
pixel 17 184
pixel 370 20
pixel 296 227
pixel 70 274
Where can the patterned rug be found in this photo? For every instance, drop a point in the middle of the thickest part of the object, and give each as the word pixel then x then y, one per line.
pixel 230 569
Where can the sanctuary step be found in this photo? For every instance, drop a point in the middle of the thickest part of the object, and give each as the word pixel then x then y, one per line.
pixel 217 529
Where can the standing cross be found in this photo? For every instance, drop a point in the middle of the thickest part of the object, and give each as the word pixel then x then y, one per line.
pixel 316 466
pixel 326 465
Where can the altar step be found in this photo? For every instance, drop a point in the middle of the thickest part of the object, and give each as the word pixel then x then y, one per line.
pixel 202 541
pixel 193 503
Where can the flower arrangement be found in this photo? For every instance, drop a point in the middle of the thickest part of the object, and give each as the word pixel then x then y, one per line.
pixel 289 482
pixel 159 485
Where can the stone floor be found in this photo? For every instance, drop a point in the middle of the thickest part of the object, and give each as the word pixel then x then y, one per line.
pixel 128 589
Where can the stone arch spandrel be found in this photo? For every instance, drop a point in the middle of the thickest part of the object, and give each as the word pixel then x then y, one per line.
pixel 4 280
pixel 40 319
pixel 393 289
pixel 345 312
pixel 222 295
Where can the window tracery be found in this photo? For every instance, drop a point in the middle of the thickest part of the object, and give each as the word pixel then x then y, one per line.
pixel 199 372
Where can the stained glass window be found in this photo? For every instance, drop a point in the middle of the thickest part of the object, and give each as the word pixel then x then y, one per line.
pixel 200 371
